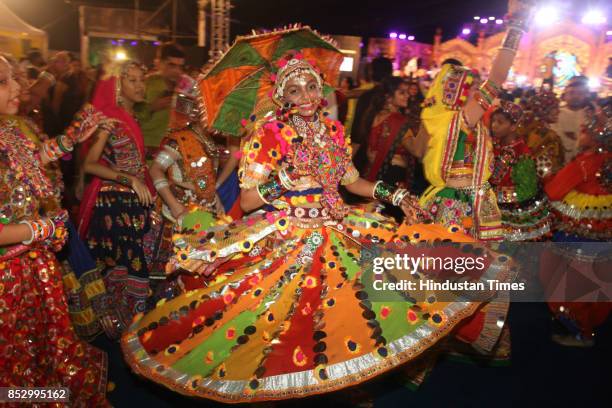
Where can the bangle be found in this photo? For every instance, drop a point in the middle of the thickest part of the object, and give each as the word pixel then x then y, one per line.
pixel 512 40
pixel 123 180
pixel 33 234
pixel 398 196
pixel 48 76
pixel 383 192
pixel 164 160
pixel 483 101
pixel 285 180
pixel 64 148
pixel 271 190
pixel 160 183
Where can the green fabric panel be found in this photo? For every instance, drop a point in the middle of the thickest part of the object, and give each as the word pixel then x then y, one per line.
pixel 193 363
pixel 396 325
pixel 299 40
pixel 238 105
pixel 352 267
pixel 460 152
pixel 204 218
pixel 239 55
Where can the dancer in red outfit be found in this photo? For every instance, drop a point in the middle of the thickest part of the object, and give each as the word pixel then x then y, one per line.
pixel 38 346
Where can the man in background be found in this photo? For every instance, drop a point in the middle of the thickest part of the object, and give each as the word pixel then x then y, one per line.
pixel 572 115
pixel 154 112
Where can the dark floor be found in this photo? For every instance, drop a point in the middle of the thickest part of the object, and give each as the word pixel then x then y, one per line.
pixel 541 374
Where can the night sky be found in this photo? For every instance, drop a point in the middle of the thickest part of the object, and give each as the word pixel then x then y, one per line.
pixel 355 17
pixel 371 18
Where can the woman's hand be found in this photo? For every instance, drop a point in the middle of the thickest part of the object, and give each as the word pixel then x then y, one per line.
pixel 177 210
pixel 86 122
pixel 413 211
pixel 142 191
pixel 220 210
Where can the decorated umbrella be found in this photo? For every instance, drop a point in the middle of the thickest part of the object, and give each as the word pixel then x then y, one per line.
pixel 239 83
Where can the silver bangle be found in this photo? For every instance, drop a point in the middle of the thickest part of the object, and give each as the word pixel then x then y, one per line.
pixel 160 183
pixel 374 189
pixel 29 241
pixel 398 196
pixel 285 179
pixel 164 160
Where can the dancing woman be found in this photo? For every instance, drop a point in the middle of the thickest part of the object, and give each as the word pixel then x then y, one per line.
pixel 455 144
pixel 524 207
pixel 287 311
pixel 581 197
pixel 114 217
pixel 38 346
pixel 541 111
pixel 184 173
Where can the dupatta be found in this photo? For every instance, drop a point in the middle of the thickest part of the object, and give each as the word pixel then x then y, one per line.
pixel 105 100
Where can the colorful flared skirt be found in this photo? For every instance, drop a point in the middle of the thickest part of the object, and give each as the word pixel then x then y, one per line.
pixel 285 312
pixel 38 346
pixel 529 220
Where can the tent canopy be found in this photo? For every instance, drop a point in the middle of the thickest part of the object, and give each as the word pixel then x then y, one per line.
pixel 16 33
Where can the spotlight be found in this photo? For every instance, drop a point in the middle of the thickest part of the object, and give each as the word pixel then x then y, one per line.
pixel 520 79
pixel 491 18
pixel 546 15
pixel 593 17
pixel 466 31
pixel 411 38
pixel 484 20
pixel 499 21
pixel 134 43
pixel 593 84
pixel 120 55
pixel 393 35
pixel 402 36
pixel 476 17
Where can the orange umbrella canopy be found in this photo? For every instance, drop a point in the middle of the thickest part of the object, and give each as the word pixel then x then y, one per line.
pixel 241 81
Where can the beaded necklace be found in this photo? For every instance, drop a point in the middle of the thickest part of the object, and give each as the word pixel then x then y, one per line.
pixel 24 159
pixel 321 154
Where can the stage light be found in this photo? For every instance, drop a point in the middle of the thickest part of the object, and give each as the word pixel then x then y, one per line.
pixel 520 79
pixel 134 43
pixel 402 36
pixel 476 17
pixel 499 21
pixel 594 17
pixel 546 15
pixel 484 20
pixel 120 55
pixel 491 18
pixel 156 43
pixel 609 33
pixel 411 38
pixel 114 42
pixel 593 84
pixel 466 31
pixel 393 35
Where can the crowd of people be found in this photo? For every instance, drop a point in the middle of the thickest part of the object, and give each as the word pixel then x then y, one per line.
pixel 229 269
